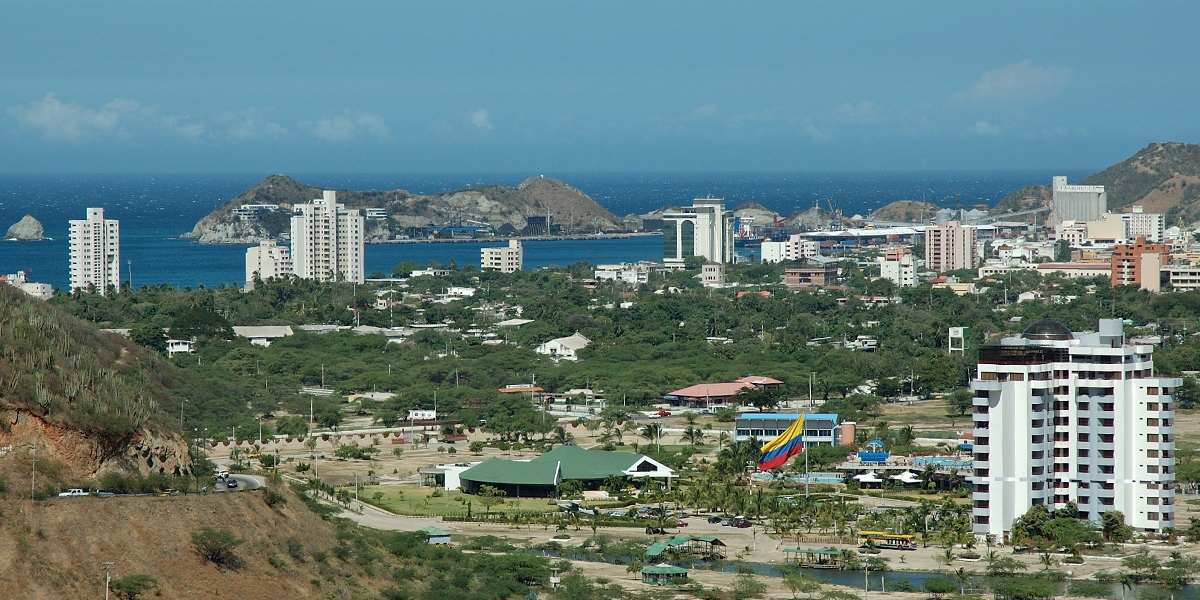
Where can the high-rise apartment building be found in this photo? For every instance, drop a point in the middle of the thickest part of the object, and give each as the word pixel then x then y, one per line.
pixel 1077 202
pixel 1063 417
pixel 327 241
pixel 1139 264
pixel 1140 223
pixel 949 247
pixel 703 229
pixel 267 260
pixel 95 252
pixel 900 270
pixel 506 259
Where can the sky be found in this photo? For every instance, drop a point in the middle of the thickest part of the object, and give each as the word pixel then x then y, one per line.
pixel 613 86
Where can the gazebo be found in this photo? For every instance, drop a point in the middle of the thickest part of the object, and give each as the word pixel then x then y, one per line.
pixel 664 575
pixel 815 558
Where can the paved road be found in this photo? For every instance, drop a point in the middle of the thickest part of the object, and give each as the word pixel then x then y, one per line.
pixel 244 482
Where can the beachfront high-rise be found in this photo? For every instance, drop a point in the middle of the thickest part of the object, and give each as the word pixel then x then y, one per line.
pixel 267 260
pixel 506 259
pixel 327 240
pixel 1072 417
pixel 95 252
pixel 703 229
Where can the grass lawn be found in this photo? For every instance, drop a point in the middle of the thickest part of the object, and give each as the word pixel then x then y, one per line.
pixel 417 501
pixel 923 417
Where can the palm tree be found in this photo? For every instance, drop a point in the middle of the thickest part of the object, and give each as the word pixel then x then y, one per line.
pixel 963 577
pixel 722 439
pixel 653 433
pixel 693 435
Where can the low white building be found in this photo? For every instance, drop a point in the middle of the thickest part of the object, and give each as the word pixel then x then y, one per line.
pixel 632 274
pixel 565 347
pixel 178 347
pixel 19 280
pixel 795 248
pixel 262 335
pixel 712 274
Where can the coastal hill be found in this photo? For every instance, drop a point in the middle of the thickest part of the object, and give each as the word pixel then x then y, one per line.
pixel 1162 177
pixel 499 206
pixel 905 211
pixel 89 401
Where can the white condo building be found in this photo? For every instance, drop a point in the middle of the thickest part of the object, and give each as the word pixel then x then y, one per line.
pixel 506 259
pixel 95 252
pixel 902 271
pixel 267 260
pixel 793 249
pixel 703 229
pixel 1062 417
pixel 1077 202
pixel 327 241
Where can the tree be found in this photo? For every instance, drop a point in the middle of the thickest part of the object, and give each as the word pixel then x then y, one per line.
pixel 939 586
pixel 1005 566
pixel 798 582
pixel 198 323
pixel 149 335
pixel 291 425
pixel 476 447
pixel 490 496
pixel 958 403
pixel 1177 572
pixel 217 547
pixel 131 587
pixel 330 417
pixel 745 586
pixel 1142 567
pixel 653 433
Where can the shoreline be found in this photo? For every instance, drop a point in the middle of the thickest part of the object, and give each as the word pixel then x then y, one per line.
pixel 483 240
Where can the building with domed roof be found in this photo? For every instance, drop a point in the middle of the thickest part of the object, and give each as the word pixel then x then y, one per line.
pixel 1063 417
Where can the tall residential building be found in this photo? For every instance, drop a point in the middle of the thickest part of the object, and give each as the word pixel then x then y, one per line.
pixel 95 252
pixel 949 247
pixel 900 271
pixel 327 241
pixel 1062 417
pixel 267 260
pixel 1078 202
pixel 795 248
pixel 1139 264
pixel 1143 224
pixel 703 229
pixel 506 259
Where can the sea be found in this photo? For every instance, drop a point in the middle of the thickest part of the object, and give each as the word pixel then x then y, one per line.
pixel 155 209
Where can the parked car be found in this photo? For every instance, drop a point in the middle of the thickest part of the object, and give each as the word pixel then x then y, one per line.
pixel 742 524
pixel 681 523
pixel 664 413
pixel 73 493
pixel 726 522
pixel 655 531
pixel 230 483
pixel 104 494
pixel 714 519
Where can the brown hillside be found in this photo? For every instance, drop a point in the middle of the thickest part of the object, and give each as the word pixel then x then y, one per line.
pixel 54 550
pixel 905 211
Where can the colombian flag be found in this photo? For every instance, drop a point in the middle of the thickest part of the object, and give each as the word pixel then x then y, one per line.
pixel 789 443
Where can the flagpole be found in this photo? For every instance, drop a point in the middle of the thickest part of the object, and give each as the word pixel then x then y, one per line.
pixel 805 445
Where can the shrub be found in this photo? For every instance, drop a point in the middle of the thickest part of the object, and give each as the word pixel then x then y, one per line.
pixel 273 498
pixel 217 547
pixel 342 552
pixel 277 561
pixel 295 549
pixel 131 587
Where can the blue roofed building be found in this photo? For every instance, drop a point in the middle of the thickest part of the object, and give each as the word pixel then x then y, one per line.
pixel 820 429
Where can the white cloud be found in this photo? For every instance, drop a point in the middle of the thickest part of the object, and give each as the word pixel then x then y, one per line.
pixel 863 113
pixel 983 128
pixel 1018 82
pixel 705 111
pixel 58 120
pixel 480 119
pixel 813 132
pixel 347 126
pixel 249 124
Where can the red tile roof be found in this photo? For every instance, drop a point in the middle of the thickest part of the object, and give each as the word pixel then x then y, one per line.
pixel 708 390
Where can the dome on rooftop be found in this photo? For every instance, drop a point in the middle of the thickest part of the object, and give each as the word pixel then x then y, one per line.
pixel 1047 329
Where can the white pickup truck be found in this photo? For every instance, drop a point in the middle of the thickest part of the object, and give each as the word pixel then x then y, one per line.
pixel 73 493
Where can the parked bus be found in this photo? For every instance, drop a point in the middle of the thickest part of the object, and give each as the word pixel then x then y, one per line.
pixel 887 541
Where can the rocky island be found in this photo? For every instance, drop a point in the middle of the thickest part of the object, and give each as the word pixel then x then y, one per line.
pixel 264 211
pixel 27 229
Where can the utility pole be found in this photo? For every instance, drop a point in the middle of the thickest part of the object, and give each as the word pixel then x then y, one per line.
pixel 107 576
pixel 33 470
pixel 181 403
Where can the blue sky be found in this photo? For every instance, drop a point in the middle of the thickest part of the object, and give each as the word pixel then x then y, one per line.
pixel 576 86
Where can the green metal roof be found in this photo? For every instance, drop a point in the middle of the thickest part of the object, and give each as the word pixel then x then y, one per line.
pixel 679 541
pixel 432 531
pixel 511 472
pixel 575 463
pixel 664 570
pixel 656 549
pixel 709 539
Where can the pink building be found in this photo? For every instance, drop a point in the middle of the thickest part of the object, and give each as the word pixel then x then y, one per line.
pixel 949 247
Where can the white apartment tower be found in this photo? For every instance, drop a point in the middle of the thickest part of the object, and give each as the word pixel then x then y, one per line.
pixel 1062 417
pixel 703 229
pixel 327 241
pixel 95 252
pixel 901 271
pixel 1077 202
pixel 267 260
pixel 1140 223
pixel 506 259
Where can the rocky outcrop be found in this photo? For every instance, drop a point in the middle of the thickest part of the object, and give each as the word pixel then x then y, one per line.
pixel 496 206
pixel 28 228
pixel 88 456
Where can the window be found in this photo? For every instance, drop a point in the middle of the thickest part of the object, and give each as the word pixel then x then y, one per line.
pixel 1166 406
pixel 1037 455
pixel 1151 422
pixel 987 376
pixel 1036 423
pixel 687 239
pixel 1084 437
pixel 981 504
pixel 1105 422
pixel 1152 500
pixel 1151 437
pixel 1151 391
pixel 1082 406
pixel 1152 454
pixel 1062 436
pixel 1106 469
pixel 1106 406
pixel 981 472
pixel 1151 468
pixel 1037 439
pixel 1062 421
pixel 1152 406
pixel 1083 452
pixel 1083 468
pixel 1106 438
pixel 1107 501
pixel 1084 421
pixel 981 520
pixel 1061 452
pixel 982 489
pixel 981 457
pixel 981 441
pixel 1017 377
pixel 1062 468
pixel 1035 471
pixel 1151 516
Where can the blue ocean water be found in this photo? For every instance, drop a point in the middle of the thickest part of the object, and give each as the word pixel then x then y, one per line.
pixel 155 209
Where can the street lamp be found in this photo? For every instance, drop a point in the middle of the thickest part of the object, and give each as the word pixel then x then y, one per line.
pixel 107 576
